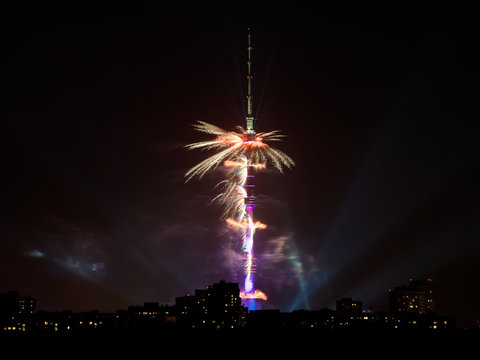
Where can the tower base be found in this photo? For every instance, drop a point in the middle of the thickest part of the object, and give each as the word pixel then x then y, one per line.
pixel 252 304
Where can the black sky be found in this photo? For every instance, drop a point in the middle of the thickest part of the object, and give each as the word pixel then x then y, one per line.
pixel 379 104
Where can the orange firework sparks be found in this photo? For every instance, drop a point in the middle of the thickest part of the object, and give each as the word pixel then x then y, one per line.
pixel 235 223
pixel 258 166
pixel 242 225
pixel 231 163
pixel 257 143
pixel 258 294
pixel 259 225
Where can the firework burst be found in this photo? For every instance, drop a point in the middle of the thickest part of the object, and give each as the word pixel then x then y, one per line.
pixel 232 145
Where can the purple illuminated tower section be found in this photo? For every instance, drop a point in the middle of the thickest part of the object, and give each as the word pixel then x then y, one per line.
pixel 249 236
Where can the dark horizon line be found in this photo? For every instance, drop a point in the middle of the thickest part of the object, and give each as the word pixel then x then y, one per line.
pixel 369 310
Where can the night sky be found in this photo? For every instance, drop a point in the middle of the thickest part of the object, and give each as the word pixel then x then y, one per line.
pixel 380 105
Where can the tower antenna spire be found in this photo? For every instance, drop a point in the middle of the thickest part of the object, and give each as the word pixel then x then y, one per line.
pixel 250 119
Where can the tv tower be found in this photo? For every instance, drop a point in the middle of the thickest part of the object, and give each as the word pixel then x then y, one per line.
pixel 244 152
pixel 250 135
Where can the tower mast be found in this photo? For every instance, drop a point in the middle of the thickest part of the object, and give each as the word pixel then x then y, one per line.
pixel 249 86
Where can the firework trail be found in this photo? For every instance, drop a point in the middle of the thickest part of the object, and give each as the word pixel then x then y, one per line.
pixel 240 151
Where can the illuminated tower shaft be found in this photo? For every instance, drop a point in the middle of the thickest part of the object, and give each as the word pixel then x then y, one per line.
pixel 249 186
